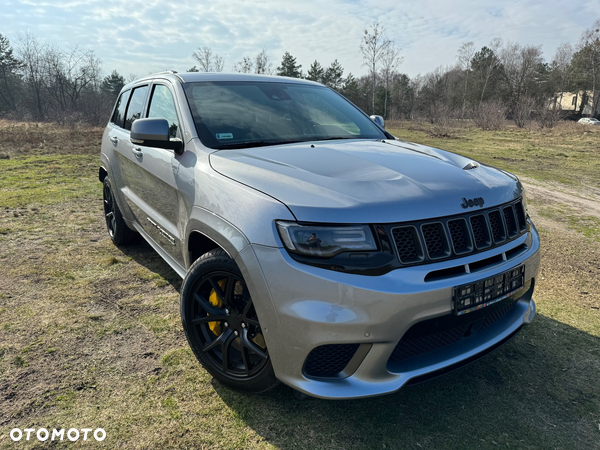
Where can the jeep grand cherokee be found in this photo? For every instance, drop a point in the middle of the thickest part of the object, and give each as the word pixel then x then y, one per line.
pixel 316 249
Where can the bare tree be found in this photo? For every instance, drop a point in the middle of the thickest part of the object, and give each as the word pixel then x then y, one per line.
pixel 520 67
pixel 244 66
pixel 30 51
pixel 489 115
pixel 262 63
pixel 208 61
pixel 67 74
pixel 414 86
pixel 562 71
pixel 465 55
pixel 373 46
pixel 522 110
pixel 390 61
pixel 218 63
pixel 204 58
pixel 589 55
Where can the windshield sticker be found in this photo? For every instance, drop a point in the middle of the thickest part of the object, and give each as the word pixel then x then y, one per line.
pixel 224 135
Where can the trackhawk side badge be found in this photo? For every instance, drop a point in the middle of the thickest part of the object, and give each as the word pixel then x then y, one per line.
pixel 477 201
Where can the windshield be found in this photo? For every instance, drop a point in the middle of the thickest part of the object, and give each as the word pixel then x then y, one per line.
pixel 246 114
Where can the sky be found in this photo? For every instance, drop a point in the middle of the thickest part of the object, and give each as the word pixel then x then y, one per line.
pixel 137 37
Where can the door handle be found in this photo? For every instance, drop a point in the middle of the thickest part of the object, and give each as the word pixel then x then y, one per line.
pixel 114 140
pixel 137 151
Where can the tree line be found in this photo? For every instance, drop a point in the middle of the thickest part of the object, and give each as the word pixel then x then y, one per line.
pixel 40 81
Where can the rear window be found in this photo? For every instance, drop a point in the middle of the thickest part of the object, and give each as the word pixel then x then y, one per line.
pixel 136 104
pixel 119 113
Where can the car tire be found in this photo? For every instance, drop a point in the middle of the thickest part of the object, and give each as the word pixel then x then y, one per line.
pixel 231 346
pixel 118 230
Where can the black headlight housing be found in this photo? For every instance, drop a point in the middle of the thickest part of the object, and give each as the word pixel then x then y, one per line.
pixel 361 249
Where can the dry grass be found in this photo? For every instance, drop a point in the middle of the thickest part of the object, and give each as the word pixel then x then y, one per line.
pixel 90 337
pixel 568 153
pixel 39 138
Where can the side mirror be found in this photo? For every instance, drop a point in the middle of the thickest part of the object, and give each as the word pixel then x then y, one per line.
pixel 154 132
pixel 378 120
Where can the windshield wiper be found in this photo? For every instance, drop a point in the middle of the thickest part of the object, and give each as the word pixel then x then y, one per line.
pixel 338 137
pixel 250 144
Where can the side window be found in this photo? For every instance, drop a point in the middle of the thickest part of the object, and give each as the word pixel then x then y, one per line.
pixel 119 113
pixel 134 110
pixel 163 106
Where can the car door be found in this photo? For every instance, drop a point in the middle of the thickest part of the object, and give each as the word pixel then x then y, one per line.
pixel 152 189
pixel 117 138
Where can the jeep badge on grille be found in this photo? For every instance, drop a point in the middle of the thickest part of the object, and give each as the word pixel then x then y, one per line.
pixel 477 201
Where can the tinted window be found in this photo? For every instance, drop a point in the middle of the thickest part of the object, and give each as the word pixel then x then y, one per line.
pixel 163 106
pixel 119 113
pixel 238 114
pixel 134 110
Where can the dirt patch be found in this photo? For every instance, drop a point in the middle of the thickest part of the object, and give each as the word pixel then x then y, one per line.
pixel 584 199
pixel 570 268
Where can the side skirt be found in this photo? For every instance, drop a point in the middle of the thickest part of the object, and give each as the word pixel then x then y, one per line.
pixel 164 255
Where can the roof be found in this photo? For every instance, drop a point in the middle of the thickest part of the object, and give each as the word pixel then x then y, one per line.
pixel 191 77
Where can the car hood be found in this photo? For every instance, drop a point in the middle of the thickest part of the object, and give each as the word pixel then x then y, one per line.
pixel 366 181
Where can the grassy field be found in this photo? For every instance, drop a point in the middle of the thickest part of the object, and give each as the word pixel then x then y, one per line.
pixel 90 334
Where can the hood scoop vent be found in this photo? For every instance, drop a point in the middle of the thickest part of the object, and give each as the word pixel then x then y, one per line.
pixel 471 165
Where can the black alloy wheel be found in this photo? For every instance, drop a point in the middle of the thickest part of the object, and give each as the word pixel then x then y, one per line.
pixel 109 210
pixel 222 326
pixel 118 230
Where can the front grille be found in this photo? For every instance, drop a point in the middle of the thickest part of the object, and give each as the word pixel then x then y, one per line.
pixel 407 348
pixel 427 341
pixel 329 360
pixel 497 315
pixel 455 236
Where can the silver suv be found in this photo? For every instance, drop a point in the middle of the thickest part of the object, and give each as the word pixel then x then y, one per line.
pixel 316 249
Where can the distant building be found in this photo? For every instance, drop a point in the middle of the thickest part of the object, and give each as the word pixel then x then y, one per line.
pixel 569 101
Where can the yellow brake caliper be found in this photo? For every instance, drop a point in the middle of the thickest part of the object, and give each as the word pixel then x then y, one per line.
pixel 214 300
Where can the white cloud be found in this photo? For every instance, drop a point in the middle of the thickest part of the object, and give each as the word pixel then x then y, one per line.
pixel 140 36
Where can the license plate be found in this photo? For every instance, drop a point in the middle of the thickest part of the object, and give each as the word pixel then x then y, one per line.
pixel 474 296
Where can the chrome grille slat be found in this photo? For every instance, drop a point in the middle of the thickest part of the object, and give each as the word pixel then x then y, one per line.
pixel 455 236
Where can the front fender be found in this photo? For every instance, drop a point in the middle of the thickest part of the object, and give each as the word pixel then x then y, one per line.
pixel 219 230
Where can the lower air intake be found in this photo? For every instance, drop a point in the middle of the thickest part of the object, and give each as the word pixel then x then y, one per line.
pixel 329 360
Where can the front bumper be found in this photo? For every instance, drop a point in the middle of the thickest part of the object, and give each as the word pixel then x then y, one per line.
pixel 303 307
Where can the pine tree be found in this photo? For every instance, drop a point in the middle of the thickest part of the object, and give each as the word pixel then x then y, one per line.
pixel 9 77
pixel 112 84
pixel 288 67
pixel 316 72
pixel 334 75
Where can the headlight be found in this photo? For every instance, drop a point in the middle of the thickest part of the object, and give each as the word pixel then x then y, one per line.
pixel 325 241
